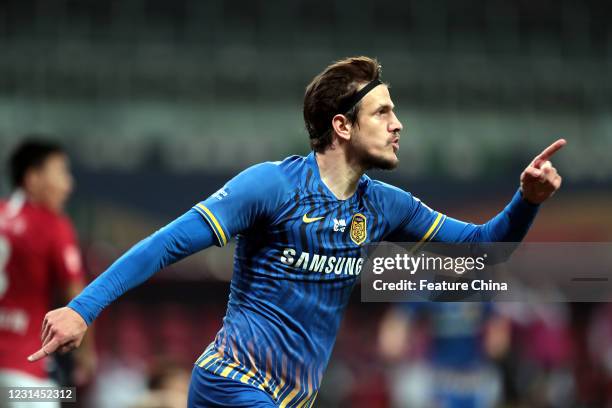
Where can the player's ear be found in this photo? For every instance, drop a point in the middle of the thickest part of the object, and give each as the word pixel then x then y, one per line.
pixel 342 127
pixel 31 179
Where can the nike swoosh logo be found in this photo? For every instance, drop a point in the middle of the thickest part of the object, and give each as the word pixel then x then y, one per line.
pixel 308 220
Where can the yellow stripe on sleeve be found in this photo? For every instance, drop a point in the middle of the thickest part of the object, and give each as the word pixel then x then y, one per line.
pixel 215 224
pixel 432 228
pixel 210 224
pixel 438 229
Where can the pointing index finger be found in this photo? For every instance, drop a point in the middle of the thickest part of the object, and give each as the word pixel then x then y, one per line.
pixel 550 150
pixel 45 350
pixel 37 356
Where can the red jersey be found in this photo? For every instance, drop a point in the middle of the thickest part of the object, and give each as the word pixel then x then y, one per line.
pixel 38 257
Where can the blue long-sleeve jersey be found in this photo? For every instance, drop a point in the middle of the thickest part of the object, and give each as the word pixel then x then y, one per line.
pixel 297 259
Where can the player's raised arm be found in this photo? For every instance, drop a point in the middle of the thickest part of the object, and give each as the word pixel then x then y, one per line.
pixel 414 221
pixel 538 182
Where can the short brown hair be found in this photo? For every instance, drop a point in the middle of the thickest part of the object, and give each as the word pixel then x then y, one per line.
pixel 325 94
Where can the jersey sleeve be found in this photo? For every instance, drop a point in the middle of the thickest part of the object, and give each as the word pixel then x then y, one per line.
pixel 409 219
pixel 184 236
pixel 65 254
pixel 509 225
pixel 251 196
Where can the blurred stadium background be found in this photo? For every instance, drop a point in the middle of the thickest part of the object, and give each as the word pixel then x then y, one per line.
pixel 160 102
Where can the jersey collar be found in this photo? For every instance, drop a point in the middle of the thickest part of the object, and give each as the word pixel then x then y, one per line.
pixel 312 163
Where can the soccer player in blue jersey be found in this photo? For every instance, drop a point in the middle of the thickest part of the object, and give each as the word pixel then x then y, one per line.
pixel 300 226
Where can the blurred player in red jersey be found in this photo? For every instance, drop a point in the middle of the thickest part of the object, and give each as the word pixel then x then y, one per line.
pixel 39 259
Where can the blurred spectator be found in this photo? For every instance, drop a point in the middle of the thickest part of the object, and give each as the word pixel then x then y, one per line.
pixel 39 261
pixel 454 369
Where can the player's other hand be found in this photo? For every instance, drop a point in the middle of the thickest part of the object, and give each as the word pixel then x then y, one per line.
pixel 540 179
pixel 63 330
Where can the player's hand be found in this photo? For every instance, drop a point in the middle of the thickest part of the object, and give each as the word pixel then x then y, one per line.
pixel 63 330
pixel 540 179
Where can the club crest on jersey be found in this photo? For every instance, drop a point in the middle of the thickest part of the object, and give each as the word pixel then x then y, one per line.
pixel 359 229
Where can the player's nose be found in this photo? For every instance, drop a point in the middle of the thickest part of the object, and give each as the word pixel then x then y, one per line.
pixel 395 125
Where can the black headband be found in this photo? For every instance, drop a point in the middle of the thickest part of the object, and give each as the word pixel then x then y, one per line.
pixel 348 103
